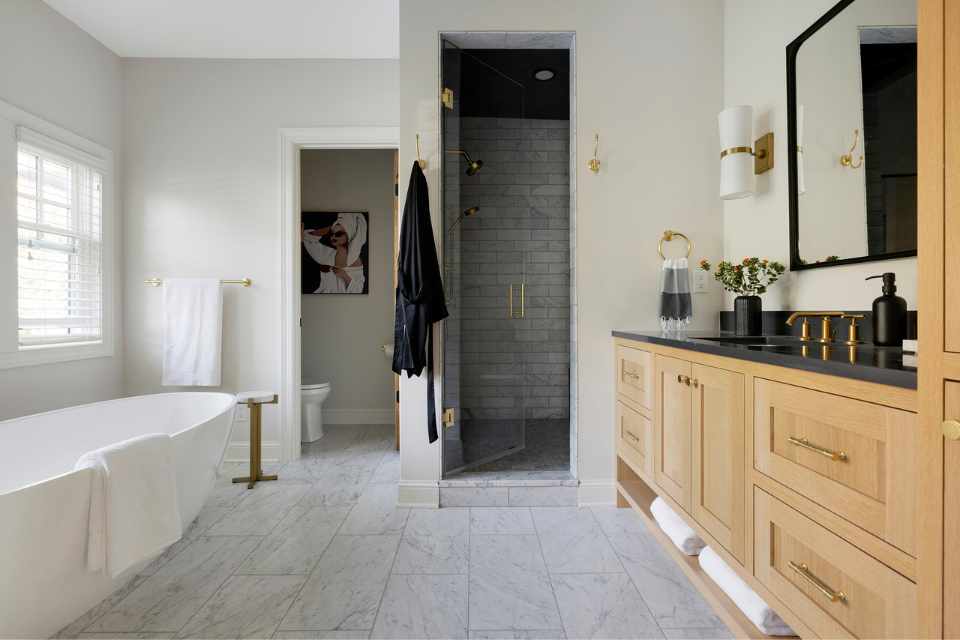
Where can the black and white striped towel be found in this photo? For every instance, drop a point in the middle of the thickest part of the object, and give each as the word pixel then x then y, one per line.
pixel 676 307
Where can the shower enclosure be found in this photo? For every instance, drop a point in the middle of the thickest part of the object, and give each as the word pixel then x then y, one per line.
pixel 506 213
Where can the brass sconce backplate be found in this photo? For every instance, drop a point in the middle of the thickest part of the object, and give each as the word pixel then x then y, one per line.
pixel 763 154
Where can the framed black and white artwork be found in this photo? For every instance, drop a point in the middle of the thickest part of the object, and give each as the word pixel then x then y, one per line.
pixel 334 254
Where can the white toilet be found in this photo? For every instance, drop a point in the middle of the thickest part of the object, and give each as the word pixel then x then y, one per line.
pixel 311 414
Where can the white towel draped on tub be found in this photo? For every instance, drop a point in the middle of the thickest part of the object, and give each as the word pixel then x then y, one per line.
pixel 679 532
pixel 134 511
pixel 753 607
pixel 192 331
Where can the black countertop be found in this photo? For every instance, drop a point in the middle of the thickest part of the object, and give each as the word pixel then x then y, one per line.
pixel 883 365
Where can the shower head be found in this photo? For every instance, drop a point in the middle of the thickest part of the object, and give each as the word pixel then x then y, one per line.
pixel 466 213
pixel 473 166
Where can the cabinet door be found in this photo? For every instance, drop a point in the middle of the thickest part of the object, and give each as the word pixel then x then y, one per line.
pixel 672 429
pixel 951 516
pixel 718 455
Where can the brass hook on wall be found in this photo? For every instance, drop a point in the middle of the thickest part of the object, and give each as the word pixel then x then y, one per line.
pixel 594 163
pixel 420 161
pixel 846 159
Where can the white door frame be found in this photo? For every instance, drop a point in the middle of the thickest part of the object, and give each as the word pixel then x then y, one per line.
pixel 292 141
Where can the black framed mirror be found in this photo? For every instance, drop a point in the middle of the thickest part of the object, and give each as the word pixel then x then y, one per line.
pixel 852 133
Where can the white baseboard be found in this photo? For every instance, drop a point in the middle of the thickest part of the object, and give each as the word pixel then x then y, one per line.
pixel 240 452
pixel 419 494
pixel 358 416
pixel 597 493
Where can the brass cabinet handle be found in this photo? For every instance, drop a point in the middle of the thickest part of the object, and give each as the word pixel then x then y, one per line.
pixel 695 383
pixel 631 435
pixel 827 453
pixel 510 302
pixel 804 572
pixel 631 374
pixel 682 379
pixel 951 429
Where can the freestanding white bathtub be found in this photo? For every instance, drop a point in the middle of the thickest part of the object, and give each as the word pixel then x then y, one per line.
pixel 44 584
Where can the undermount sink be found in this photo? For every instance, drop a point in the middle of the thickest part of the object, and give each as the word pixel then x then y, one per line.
pixel 754 341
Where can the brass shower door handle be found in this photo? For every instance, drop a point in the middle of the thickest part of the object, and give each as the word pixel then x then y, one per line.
pixel 523 302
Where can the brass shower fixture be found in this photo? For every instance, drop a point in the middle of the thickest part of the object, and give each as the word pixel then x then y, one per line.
pixel 466 213
pixel 473 166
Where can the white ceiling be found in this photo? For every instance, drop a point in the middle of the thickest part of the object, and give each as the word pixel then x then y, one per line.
pixel 239 28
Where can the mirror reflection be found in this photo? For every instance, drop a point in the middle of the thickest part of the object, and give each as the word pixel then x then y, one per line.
pixel 856 132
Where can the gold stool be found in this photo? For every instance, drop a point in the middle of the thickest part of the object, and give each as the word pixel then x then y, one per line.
pixel 254 401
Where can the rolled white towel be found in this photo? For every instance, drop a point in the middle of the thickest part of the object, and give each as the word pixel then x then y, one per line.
pixel 753 607
pixel 676 529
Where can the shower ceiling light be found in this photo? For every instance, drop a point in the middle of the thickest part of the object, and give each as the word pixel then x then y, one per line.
pixel 544 74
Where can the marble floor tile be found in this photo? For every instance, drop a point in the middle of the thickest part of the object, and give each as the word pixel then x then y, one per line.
pixel 434 541
pixel 330 634
pixel 509 584
pixel 296 544
pixel 517 634
pixel 376 512
pixel 145 635
pixel 335 489
pixel 168 598
pixel 389 469
pixel 674 602
pixel 716 633
pixel 73 629
pixel 573 541
pixel 226 494
pixel 501 520
pixel 603 605
pixel 344 590
pixel 244 607
pixel 207 518
pixel 260 510
pixel 421 606
pixel 543 496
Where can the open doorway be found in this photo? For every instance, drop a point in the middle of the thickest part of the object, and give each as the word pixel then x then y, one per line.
pixel 347 225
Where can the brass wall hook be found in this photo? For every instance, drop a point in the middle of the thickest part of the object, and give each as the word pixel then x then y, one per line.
pixel 846 159
pixel 420 161
pixel 594 163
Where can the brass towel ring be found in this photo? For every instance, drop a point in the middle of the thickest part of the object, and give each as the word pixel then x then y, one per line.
pixel 669 235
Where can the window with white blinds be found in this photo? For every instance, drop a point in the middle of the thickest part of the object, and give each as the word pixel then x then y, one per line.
pixel 60 253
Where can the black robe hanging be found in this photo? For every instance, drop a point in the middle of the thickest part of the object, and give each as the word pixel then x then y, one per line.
pixel 420 299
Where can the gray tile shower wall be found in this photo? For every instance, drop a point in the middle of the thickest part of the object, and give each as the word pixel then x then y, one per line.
pixel 513 367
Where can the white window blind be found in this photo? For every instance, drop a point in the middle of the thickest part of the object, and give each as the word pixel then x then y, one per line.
pixel 60 255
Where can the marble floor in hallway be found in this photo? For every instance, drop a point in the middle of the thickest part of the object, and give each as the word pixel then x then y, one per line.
pixel 326 553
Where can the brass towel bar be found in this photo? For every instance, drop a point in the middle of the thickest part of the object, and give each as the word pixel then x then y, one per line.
pixel 244 282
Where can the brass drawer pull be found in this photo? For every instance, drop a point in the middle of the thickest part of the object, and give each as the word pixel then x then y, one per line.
pixel 827 453
pixel 682 379
pixel 631 435
pixel 804 572
pixel 631 374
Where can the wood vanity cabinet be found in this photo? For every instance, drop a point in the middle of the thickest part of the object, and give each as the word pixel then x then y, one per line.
pixel 804 483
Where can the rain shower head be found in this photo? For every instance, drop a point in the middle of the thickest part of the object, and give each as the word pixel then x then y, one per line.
pixel 473 166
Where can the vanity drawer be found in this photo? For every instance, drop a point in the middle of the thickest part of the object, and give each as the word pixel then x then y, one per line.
pixel 635 439
pixel 855 458
pixel 635 375
pixel 835 588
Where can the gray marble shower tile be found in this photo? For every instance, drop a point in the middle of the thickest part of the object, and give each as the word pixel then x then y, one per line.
pixel 344 590
pixel 509 584
pixel 434 541
pixel 603 606
pixel 297 543
pixel 422 606
pixel 573 541
pixel 376 512
pixel 501 520
pixel 244 607
pixel 168 598
pixel 260 510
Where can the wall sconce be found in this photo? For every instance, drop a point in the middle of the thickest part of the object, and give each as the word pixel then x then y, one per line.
pixel 739 161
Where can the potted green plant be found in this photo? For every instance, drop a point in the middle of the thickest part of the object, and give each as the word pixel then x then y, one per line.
pixel 749 279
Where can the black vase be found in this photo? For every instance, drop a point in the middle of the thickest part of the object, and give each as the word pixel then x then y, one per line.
pixel 748 315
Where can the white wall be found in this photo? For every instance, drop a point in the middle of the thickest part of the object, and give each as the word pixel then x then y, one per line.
pixel 649 82
pixel 342 334
pixel 55 71
pixel 754 72
pixel 202 152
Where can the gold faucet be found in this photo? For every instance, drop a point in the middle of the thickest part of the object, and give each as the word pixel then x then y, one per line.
pixel 826 333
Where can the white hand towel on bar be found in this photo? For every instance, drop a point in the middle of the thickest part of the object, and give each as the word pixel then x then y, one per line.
pixel 134 510
pixel 192 331
pixel 682 536
pixel 753 607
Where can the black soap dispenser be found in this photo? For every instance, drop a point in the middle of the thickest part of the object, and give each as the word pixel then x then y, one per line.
pixel 889 314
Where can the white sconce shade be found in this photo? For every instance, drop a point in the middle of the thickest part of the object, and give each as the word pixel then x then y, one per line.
pixel 737 179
